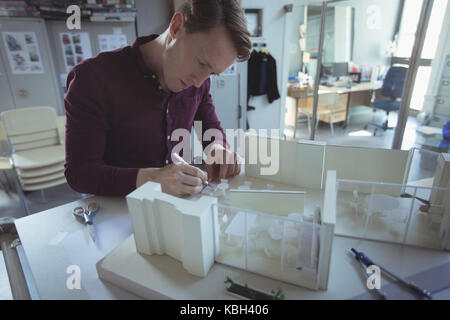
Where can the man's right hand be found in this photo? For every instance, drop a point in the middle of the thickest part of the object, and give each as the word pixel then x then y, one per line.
pixel 177 179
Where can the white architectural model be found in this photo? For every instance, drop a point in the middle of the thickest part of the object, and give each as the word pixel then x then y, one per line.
pixel 282 225
pixel 379 197
pixel 264 231
pixel 183 229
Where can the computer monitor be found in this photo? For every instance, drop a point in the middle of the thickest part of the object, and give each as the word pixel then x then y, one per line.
pixel 326 71
pixel 340 69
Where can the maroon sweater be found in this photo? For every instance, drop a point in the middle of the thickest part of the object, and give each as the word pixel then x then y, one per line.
pixel 118 120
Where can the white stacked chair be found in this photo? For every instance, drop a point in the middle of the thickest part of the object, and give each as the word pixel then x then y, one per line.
pixel 37 149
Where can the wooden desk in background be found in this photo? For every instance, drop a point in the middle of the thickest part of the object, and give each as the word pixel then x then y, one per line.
pixel 358 95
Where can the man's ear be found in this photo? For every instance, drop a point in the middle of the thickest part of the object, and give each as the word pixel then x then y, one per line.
pixel 176 24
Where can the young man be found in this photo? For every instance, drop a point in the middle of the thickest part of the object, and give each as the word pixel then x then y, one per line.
pixel 123 106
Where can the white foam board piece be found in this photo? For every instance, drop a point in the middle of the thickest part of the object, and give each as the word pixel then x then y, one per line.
pixel 327 231
pixel 367 164
pixel 441 197
pixel 252 163
pixel 309 165
pixel 180 228
pixel 162 277
pixel 300 163
pixel 276 202
pixel 288 163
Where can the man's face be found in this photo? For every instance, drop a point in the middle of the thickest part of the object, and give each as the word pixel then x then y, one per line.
pixel 191 58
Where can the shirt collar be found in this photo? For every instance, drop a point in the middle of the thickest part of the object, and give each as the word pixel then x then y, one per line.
pixel 142 66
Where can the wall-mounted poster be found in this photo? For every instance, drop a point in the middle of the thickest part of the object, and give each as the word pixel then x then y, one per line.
pixel 76 47
pixel 109 42
pixel 23 52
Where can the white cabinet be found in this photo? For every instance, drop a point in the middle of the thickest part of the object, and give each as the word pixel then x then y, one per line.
pixel 446 73
pixel 444 87
pixel 442 107
pixel 441 112
pixel 229 94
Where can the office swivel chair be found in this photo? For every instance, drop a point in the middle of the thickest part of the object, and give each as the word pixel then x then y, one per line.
pixel 392 88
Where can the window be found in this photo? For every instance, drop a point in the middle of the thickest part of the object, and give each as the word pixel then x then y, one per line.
pixel 405 43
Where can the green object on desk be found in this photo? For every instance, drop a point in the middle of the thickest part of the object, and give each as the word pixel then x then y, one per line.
pixel 252 294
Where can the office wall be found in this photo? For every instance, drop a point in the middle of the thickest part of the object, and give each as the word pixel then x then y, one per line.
pixel 94 29
pixel 30 88
pixel 297 19
pixel 438 63
pixel 343 28
pixel 371 42
pixel 153 16
pixel 267 116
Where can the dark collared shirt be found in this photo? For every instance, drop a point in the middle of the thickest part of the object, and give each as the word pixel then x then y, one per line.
pixel 119 120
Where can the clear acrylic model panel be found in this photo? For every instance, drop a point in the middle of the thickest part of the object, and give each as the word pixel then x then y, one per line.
pixel 423 165
pixel 283 248
pixel 391 212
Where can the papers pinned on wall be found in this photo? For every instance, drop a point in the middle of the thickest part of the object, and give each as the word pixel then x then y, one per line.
pixel 76 47
pixel 109 42
pixel 23 52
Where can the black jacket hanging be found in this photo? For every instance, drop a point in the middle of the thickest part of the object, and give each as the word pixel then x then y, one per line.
pixel 262 76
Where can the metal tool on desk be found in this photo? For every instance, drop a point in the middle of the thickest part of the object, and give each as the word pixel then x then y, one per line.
pixel 86 216
pixel 366 261
pixel 380 294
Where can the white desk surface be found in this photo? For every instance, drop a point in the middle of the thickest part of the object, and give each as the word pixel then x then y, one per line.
pixel 47 236
pixel 48 242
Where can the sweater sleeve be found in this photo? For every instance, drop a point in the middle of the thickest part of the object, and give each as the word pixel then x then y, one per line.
pixel 272 86
pixel 87 128
pixel 206 113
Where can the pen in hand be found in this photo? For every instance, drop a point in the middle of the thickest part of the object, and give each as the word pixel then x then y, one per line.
pixel 177 159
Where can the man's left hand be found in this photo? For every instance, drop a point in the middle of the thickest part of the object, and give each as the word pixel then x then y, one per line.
pixel 222 163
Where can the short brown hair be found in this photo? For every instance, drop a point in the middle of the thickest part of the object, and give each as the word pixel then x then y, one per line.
pixel 204 15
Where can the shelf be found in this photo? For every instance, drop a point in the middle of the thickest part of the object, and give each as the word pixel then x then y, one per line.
pixel 109 6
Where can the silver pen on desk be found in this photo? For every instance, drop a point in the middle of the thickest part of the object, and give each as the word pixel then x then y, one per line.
pixel 378 292
pixel 360 256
